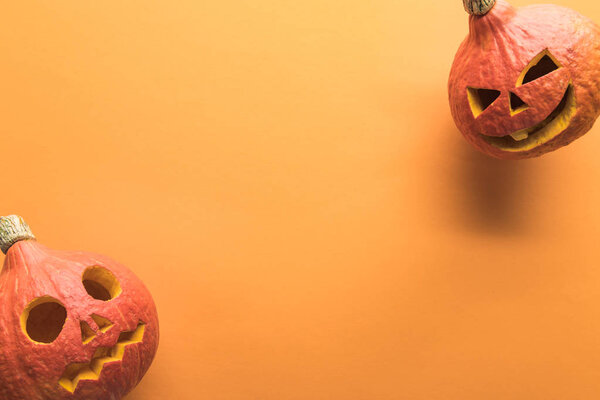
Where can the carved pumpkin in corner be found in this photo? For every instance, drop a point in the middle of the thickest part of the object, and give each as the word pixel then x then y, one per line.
pixel 73 325
pixel 525 81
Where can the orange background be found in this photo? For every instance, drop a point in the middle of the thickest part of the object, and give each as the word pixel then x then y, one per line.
pixel 286 178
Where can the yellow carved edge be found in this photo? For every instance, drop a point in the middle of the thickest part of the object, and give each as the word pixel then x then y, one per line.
pixel 74 373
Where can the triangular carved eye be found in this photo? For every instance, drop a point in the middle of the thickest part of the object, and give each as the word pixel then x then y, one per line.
pixel 481 99
pixel 541 65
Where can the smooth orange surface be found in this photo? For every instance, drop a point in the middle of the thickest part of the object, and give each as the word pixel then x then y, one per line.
pixel 286 178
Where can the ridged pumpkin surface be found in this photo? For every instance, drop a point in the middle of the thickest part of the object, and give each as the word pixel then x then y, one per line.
pixel 526 81
pixel 103 348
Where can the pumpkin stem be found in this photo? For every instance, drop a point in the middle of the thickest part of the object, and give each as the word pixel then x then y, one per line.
pixel 13 229
pixel 478 7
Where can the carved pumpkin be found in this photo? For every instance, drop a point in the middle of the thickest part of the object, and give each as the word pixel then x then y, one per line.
pixel 525 81
pixel 73 325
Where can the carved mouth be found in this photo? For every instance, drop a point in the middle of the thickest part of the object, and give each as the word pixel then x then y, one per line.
pixel 91 371
pixel 548 129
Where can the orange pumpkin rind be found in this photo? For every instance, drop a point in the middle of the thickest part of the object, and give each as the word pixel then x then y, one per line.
pixel 525 81
pixel 73 325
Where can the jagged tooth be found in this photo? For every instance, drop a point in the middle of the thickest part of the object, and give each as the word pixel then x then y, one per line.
pixel 518 136
pixel 67 384
pixel 78 371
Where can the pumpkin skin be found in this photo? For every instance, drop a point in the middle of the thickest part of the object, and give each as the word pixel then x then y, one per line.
pixel 123 336
pixel 502 47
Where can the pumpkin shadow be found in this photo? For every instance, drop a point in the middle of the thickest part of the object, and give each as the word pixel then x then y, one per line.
pixel 491 199
pixel 133 396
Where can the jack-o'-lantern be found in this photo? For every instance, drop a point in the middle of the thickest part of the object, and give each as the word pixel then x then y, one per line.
pixel 73 325
pixel 525 81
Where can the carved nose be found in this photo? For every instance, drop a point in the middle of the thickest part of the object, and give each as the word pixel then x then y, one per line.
pixel 517 104
pixel 104 324
pixel 88 334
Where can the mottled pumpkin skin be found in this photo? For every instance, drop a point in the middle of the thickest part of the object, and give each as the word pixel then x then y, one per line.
pixel 31 371
pixel 500 45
